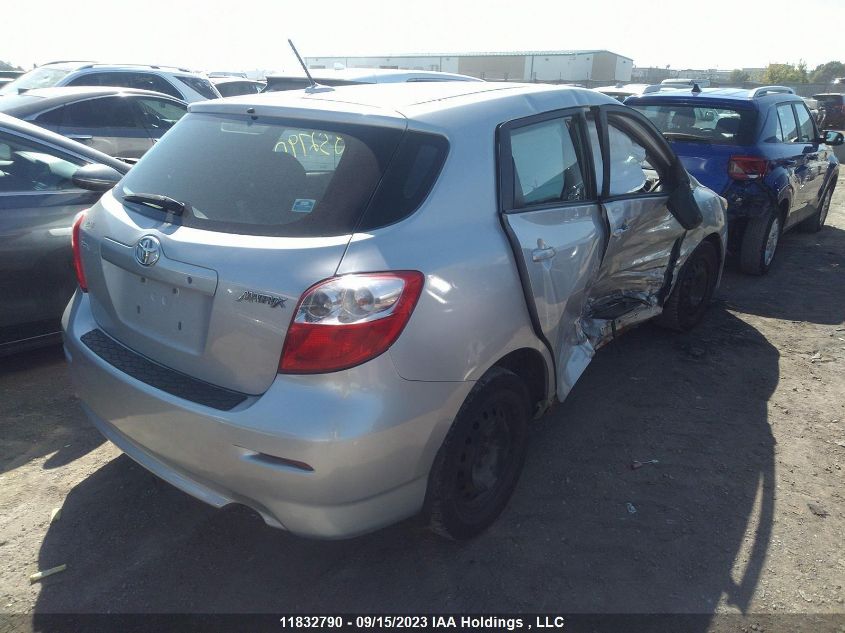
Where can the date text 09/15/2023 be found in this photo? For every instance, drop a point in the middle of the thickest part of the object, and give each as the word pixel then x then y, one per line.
pixel 454 622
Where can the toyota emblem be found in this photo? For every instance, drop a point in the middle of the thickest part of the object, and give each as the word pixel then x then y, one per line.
pixel 147 250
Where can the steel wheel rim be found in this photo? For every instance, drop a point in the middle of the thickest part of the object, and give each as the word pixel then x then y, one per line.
pixel 772 241
pixel 486 457
pixel 695 286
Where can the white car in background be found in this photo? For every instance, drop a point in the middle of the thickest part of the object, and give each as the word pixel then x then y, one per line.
pixel 179 83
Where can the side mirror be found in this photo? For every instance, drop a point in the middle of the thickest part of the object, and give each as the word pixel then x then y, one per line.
pixel 832 137
pixel 682 201
pixel 96 177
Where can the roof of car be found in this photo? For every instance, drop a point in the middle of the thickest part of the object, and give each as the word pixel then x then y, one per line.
pixel 375 75
pixel 39 99
pixel 722 94
pixel 15 125
pixel 406 100
pixel 81 65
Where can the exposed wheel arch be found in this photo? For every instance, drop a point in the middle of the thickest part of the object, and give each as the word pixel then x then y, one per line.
pixel 530 366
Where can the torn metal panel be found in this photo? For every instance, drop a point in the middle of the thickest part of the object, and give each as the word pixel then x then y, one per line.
pixel 602 331
pixel 638 253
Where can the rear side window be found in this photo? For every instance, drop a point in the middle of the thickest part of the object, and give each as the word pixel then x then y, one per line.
pixel 788 127
pixel 200 85
pixel 412 174
pixel 143 81
pixel 545 163
pixel 772 132
pixel 159 114
pixel 269 177
pixel 108 112
pixel 51 117
pixel 701 123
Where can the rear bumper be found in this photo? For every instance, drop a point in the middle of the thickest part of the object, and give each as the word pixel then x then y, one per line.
pixel 369 436
pixel 748 203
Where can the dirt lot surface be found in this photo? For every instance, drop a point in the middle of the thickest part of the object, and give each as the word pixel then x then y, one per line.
pixel 743 513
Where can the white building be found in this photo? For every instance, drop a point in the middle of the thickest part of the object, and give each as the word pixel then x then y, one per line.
pixel 550 66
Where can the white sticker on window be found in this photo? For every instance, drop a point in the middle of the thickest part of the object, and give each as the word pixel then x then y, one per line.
pixel 303 205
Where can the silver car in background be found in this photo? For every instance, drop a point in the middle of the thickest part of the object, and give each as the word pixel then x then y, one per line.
pixel 179 83
pixel 342 307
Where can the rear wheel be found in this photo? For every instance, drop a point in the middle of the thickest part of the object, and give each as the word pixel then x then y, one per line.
pixel 815 222
pixel 479 464
pixel 693 290
pixel 759 243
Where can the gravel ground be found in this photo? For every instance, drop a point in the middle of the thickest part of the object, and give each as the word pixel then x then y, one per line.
pixel 743 513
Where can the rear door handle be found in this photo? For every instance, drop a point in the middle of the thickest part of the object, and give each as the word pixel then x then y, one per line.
pixel 542 252
pixel 80 137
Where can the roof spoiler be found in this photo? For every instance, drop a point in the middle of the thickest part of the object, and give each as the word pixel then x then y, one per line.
pixel 766 90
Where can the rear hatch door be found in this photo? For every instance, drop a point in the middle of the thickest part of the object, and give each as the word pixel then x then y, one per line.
pixel 258 209
pixel 704 131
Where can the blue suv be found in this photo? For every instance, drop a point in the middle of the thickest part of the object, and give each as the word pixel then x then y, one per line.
pixel 761 150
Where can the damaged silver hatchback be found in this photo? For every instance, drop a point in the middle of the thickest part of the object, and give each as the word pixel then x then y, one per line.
pixel 342 307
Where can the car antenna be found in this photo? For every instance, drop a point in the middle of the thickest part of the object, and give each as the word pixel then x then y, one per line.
pixel 696 88
pixel 314 87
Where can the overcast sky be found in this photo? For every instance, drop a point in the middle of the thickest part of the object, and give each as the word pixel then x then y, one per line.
pixel 252 34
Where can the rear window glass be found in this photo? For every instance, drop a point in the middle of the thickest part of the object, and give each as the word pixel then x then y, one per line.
pixel 688 123
pixel 829 99
pixel 269 177
pixel 200 85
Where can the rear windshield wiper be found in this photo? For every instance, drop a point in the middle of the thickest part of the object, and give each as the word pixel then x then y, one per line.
pixel 158 201
pixel 681 136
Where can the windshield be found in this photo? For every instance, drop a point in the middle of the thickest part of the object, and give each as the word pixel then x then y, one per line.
pixel 829 99
pixel 283 177
pixel 38 78
pixel 720 125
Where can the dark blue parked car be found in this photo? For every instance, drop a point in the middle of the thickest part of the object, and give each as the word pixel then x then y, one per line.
pixel 761 150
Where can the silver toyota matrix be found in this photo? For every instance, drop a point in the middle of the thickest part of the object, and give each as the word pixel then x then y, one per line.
pixel 343 307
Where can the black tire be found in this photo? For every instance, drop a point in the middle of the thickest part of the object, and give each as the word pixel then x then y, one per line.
pixel 754 257
pixel 693 290
pixel 815 222
pixel 479 463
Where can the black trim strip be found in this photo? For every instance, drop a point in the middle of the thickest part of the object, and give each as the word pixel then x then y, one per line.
pixel 158 376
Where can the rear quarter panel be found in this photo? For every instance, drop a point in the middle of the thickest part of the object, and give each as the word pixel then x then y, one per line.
pixel 472 310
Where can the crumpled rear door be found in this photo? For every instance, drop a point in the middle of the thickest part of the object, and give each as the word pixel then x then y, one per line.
pixel 644 236
pixel 551 215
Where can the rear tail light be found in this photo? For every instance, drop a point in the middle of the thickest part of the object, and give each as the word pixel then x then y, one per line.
pixel 345 321
pixel 75 245
pixel 747 167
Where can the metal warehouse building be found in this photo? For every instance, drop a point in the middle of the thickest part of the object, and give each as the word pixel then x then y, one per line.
pixel 550 66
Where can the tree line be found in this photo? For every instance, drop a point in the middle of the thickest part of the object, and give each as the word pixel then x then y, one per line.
pixel 794 73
